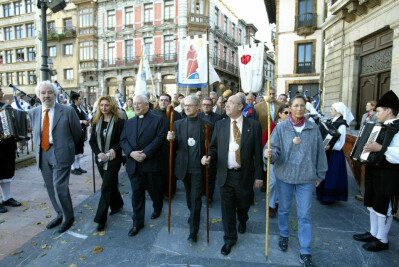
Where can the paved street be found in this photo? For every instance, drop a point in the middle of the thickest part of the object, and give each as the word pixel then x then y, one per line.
pixel 333 227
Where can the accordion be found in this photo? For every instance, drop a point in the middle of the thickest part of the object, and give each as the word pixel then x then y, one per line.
pixel 369 132
pixel 329 134
pixel 14 125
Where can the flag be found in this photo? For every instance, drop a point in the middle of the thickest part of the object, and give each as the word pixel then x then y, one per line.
pixel 143 74
pixel 193 62
pixel 251 67
pixel 317 102
pixel 18 105
pixel 120 98
pixel 213 76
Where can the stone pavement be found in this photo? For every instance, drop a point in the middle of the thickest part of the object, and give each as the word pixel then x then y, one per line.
pixel 82 245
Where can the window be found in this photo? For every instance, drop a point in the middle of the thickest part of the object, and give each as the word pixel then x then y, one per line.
pixel 233 58
pixel 8 56
pixel 197 7
pixel 233 26
pixel 129 53
pixel 240 35
pixel 225 24
pixel 169 47
pixel 225 53
pixel 29 6
pixel 17 8
pixel 9 78
pixel 148 45
pixel 1 62
pixel 68 24
pixel 86 50
pixel 51 26
pixel 169 10
pixel 32 77
pixel 148 14
pixel 31 54
pixel 304 58
pixel 305 13
pixel 52 51
pixel 86 21
pixel 68 74
pixel 20 55
pixel 68 50
pixel 30 30
pixel 216 49
pixel 111 52
pixel 111 19
pixel 8 33
pixel 7 10
pixel 19 32
pixel 217 17
pixel 20 77
pixel 129 19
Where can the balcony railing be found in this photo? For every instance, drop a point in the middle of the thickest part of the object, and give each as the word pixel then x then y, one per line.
pixel 88 64
pixel 60 33
pixel 194 18
pixel 218 62
pixel 306 20
pixel 304 67
pixel 88 30
pixel 129 61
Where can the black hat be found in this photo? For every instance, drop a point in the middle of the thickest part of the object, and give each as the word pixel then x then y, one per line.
pixel 74 95
pixel 389 100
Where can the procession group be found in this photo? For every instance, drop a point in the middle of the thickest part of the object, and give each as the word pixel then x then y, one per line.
pixel 237 157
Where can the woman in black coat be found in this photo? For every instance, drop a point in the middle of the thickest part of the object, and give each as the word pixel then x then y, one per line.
pixel 104 141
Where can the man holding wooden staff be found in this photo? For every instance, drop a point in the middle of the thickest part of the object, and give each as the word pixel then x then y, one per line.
pixel 189 137
pixel 236 144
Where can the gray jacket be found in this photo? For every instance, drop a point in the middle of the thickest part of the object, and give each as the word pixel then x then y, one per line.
pixel 302 163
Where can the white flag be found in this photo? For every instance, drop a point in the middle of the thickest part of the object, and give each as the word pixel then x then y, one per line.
pixel 143 74
pixel 251 67
pixel 213 76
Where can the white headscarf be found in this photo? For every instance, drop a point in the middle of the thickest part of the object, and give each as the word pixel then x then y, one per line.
pixel 344 111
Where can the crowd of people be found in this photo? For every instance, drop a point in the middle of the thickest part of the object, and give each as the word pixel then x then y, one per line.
pixel 139 136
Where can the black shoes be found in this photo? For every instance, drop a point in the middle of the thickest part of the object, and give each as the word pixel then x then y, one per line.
pixel 226 249
pixel 242 227
pixel 283 243
pixel 366 237
pixel 2 209
pixel 76 172
pixel 81 170
pixel 66 225
pixel 57 221
pixel 192 238
pixel 376 245
pixel 135 230
pixel 306 260
pixel 11 202
pixel 100 227
pixel 155 214
pixel 112 212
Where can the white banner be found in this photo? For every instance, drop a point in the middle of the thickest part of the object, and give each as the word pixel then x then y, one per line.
pixel 251 67
pixel 143 73
pixel 193 62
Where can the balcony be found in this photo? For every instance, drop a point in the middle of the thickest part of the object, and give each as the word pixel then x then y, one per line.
pixel 130 61
pixel 200 19
pixel 304 67
pixel 88 30
pixel 59 33
pixel 197 23
pixel 306 23
pixel 223 64
pixel 92 64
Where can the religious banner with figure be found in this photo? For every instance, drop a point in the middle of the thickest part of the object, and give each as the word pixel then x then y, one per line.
pixel 251 67
pixel 193 62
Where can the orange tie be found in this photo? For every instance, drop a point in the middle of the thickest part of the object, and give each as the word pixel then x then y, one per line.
pixel 45 145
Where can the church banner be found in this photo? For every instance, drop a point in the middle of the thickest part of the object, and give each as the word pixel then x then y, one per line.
pixel 251 67
pixel 193 62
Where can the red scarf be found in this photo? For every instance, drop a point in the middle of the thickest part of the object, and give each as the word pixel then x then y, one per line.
pixel 299 123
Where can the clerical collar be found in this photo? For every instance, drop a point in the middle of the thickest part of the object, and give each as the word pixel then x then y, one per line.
pixel 143 115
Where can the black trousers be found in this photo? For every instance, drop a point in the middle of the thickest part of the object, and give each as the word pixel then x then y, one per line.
pixel 235 200
pixel 110 195
pixel 165 172
pixel 141 181
pixel 194 185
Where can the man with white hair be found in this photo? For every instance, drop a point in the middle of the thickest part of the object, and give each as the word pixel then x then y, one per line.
pixel 141 140
pixel 56 130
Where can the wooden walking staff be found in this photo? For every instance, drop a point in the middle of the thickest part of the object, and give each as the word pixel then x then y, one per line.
pixel 207 127
pixel 268 100
pixel 170 115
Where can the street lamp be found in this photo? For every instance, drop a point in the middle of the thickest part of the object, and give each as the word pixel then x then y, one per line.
pixel 55 6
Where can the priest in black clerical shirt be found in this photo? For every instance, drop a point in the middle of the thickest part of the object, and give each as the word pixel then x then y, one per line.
pixel 189 139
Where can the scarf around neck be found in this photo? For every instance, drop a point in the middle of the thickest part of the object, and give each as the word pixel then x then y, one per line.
pixel 107 138
pixel 299 123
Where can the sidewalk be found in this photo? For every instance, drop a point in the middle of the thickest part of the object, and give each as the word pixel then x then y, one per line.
pixel 82 245
pixel 20 224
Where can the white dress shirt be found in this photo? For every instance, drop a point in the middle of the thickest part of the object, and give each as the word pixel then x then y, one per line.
pixel 231 159
pixel 215 107
pixel 51 117
pixel 392 153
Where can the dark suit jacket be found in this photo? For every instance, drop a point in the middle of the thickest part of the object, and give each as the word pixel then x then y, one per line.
pixel 150 140
pixel 180 130
pixel 250 152
pixel 213 116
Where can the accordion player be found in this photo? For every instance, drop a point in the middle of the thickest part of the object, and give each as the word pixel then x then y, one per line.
pixel 14 124
pixel 369 132
pixel 329 134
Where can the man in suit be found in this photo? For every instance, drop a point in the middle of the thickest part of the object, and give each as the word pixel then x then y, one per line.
pixel 248 111
pixel 189 137
pixel 237 146
pixel 56 130
pixel 141 140
pixel 209 115
pixel 216 108
pixel 261 110
pixel 163 102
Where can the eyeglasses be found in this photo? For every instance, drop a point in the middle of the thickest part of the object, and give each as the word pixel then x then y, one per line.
pixel 190 106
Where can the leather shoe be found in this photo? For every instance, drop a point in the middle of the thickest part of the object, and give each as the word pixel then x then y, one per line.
pixel 11 202
pixel 135 230
pixel 155 214
pixel 81 170
pixel 2 209
pixel 376 245
pixel 226 249
pixel 100 227
pixel 76 172
pixel 242 227
pixel 57 221
pixel 112 212
pixel 366 237
pixel 192 238
pixel 66 225
pixel 272 212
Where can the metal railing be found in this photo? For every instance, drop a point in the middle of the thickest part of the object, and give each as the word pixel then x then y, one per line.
pixel 218 62
pixel 194 18
pixel 306 20
pixel 60 33
pixel 304 67
pixel 128 61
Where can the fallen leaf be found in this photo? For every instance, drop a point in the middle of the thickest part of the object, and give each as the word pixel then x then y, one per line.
pixel 44 254
pixel 216 220
pixel 39 223
pixel 23 204
pixel 44 246
pixel 17 252
pixel 256 210
pixel 96 233
pixel 341 248
pixel 1 221
pixel 33 243
pixel 101 233
pixel 326 244
pixel 48 216
pixel 203 249
pixel 82 258
pixel 122 184
pixel 63 242
pixel 98 250
pixel 72 265
pixel 256 203
pixel 152 225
